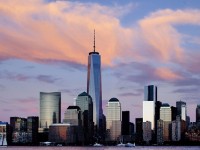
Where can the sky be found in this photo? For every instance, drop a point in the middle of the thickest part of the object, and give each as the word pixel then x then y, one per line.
pixel 44 46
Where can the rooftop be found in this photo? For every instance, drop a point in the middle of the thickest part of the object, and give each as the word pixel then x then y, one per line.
pixel 113 100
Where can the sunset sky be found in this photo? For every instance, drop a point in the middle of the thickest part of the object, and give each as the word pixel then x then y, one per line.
pixel 44 46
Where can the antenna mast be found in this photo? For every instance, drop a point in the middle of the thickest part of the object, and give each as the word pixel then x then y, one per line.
pixel 94 40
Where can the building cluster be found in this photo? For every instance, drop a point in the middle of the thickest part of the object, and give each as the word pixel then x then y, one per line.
pixel 164 124
pixel 85 123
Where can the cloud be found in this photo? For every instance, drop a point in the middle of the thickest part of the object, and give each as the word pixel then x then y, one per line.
pixel 22 77
pixel 47 78
pixel 130 94
pixel 36 30
pixel 159 32
pixel 186 90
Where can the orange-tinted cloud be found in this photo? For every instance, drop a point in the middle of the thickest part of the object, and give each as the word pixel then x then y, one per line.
pixel 35 30
pixel 159 31
pixel 166 74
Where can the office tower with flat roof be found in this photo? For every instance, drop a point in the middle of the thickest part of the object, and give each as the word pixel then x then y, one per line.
pixel 166 116
pixel 176 129
pixel 138 130
pixel 32 129
pixel 125 122
pixel 198 114
pixel 160 132
pixel 19 129
pixel 73 116
pixel 113 119
pixel 149 104
pixel 147 131
pixel 84 101
pixel 94 86
pixel 174 112
pixel 181 110
pixel 50 108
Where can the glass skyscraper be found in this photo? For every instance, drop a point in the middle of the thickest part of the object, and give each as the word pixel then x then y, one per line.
pixel 181 110
pixel 149 104
pixel 50 108
pixel 94 85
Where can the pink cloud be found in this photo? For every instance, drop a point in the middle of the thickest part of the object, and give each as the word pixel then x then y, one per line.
pixel 34 30
pixel 160 33
pixel 167 74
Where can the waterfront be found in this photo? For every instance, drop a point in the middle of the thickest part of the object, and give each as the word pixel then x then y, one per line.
pixel 104 148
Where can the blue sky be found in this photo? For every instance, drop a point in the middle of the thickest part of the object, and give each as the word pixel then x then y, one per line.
pixel 44 47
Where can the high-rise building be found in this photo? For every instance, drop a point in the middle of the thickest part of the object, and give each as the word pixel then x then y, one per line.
pixel 94 86
pixel 174 112
pixel 176 129
pixel 84 101
pixel 32 129
pixel 50 108
pixel 147 132
pixel 198 114
pixel 125 122
pixel 181 110
pixel 138 130
pixel 160 132
pixel 165 115
pixel 113 119
pixel 19 129
pixel 73 116
pixel 149 104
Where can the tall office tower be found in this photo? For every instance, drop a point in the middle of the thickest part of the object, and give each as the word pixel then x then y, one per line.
pixel 181 110
pixel 50 108
pixel 147 135
pixel 84 101
pixel 138 130
pixel 73 116
pixel 32 129
pixel 113 119
pixel 166 116
pixel 160 132
pixel 125 122
pixel 94 86
pixel 176 129
pixel 19 129
pixel 149 104
pixel 174 112
pixel 198 114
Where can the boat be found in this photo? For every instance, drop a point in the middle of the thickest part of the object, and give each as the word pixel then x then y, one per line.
pixel 3 141
pixel 130 145
pixel 97 145
pixel 121 145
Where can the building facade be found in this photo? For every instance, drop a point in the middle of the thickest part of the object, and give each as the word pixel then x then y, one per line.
pixel 139 130
pixel 166 116
pixel 50 109
pixel 147 131
pixel 149 104
pixel 160 125
pixel 94 87
pixel 125 122
pixel 32 129
pixel 73 116
pixel 176 129
pixel 198 114
pixel 113 119
pixel 181 110
pixel 84 101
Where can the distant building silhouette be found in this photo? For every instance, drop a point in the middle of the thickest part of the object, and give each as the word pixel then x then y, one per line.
pixel 198 113
pixel 139 130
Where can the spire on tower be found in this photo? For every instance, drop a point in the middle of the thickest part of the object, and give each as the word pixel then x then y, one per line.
pixel 94 40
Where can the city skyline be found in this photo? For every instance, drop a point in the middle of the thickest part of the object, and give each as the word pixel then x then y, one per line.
pixel 44 46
